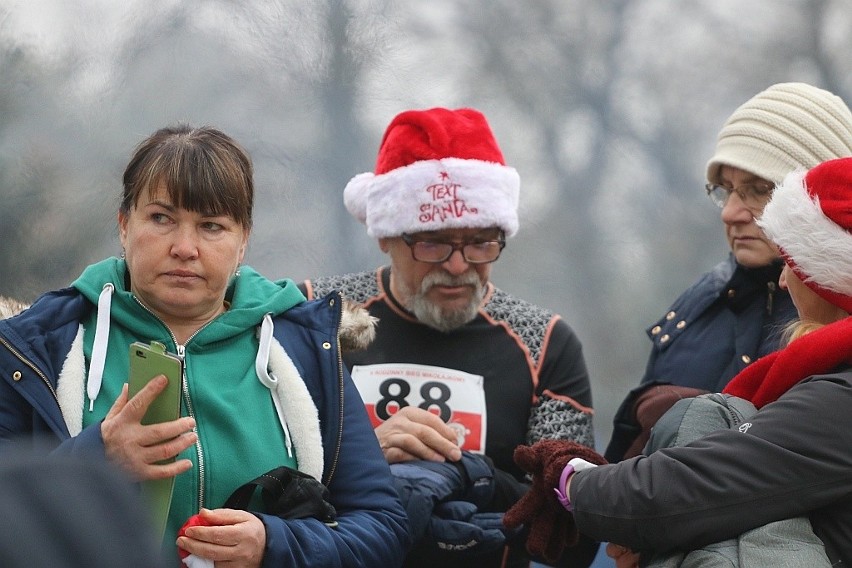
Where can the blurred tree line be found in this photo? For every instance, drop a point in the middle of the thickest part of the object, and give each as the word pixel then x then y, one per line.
pixel 609 111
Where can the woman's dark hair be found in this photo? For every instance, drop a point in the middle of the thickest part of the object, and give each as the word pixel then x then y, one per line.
pixel 202 169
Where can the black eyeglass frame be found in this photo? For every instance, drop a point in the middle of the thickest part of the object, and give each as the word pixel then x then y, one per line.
pixel 411 242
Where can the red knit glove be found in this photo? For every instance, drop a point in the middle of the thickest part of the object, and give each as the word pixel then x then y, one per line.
pixel 551 527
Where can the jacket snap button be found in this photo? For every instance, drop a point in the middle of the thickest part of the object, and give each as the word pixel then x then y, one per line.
pixel 656 329
pixel 746 359
pixel 326 345
pixel 670 316
pixel 664 338
pixel 16 376
pixel 681 324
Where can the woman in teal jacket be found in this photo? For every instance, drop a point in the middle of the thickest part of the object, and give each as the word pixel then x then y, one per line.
pixel 263 385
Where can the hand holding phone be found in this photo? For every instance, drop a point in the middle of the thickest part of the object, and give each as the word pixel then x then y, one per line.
pixel 147 362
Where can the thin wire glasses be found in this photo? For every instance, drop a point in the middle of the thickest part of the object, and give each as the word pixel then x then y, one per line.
pixel 753 195
pixel 474 252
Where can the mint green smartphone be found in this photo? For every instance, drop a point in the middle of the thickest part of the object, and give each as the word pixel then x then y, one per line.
pixel 148 361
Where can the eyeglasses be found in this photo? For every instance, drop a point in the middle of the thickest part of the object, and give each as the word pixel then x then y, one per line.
pixel 476 252
pixel 753 196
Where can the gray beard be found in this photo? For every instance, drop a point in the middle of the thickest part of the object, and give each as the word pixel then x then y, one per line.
pixel 431 314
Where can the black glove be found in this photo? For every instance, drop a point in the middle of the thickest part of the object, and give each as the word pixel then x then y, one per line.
pixel 287 493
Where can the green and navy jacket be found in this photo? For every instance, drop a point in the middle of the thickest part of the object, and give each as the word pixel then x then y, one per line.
pixel 264 381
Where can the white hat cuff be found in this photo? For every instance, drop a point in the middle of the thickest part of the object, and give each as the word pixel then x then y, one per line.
pixel 819 247
pixel 431 195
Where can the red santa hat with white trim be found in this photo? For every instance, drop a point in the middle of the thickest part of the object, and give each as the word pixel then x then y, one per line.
pixel 436 169
pixel 810 218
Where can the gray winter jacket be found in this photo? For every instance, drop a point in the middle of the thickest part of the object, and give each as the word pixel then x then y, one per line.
pixel 790 543
pixel 791 459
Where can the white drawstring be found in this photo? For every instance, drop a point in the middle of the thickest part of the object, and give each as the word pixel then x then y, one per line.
pixel 261 363
pixel 268 380
pixel 99 349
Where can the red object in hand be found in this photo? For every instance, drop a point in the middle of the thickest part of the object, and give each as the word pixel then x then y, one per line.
pixel 194 521
pixel 551 527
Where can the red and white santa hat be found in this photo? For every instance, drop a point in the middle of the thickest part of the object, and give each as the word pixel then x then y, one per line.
pixel 810 218
pixel 436 169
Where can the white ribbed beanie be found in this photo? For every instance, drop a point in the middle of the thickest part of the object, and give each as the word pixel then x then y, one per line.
pixel 785 127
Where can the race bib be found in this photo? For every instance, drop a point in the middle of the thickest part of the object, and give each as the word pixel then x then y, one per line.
pixel 457 397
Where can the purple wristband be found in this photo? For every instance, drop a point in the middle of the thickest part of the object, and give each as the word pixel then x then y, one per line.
pixel 561 492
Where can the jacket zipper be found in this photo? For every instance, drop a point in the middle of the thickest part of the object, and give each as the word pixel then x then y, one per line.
pixel 199 451
pixel 32 366
pixel 340 387
pixel 333 467
pixel 732 414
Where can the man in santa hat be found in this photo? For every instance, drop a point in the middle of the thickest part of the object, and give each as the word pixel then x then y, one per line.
pixel 459 369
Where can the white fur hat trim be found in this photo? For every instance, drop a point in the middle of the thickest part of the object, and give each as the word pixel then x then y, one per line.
pixel 819 247
pixel 432 195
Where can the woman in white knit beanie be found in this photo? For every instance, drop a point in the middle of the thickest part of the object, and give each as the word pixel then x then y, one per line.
pixel 735 313
pixel 786 127
pixel 724 322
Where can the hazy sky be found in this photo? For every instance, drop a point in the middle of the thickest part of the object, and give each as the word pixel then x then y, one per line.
pixel 609 116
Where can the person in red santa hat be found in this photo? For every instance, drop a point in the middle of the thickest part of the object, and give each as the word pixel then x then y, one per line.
pixel 791 458
pixel 459 368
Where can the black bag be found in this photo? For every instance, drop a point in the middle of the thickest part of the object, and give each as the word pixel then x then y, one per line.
pixel 287 493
